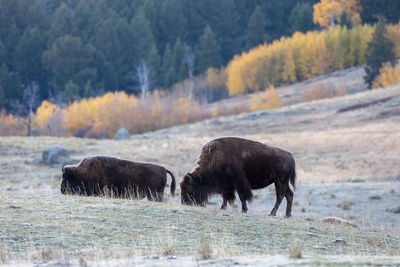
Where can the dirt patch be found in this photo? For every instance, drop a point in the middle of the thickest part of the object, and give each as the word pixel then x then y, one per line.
pixel 364 105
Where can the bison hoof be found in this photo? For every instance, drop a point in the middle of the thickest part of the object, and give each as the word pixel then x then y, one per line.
pixel 288 216
pixel 244 211
pixel 272 214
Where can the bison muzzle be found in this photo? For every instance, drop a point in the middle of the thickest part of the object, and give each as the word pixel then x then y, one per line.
pixel 230 164
pixel 102 175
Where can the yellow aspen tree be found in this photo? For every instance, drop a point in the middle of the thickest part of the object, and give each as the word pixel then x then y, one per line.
pixel 268 99
pixel 289 67
pixel 393 33
pixel 353 10
pixel 44 112
pixel 388 75
pixel 327 12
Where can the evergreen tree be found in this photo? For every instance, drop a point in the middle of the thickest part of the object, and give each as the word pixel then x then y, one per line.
pixel 143 39
pixel 172 22
pixel 300 18
pixel 372 9
pixel 166 66
pixel 255 34
pixel 11 41
pixel 10 83
pixel 82 20
pixel 62 23
pixel 379 51
pixel 227 29
pixel 28 56
pixel 2 98
pixel 68 60
pixel 37 16
pixel 177 61
pixel 3 54
pixel 71 91
pixel 153 60
pixel 209 53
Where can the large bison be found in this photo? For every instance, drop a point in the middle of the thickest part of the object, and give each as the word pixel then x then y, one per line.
pixel 101 175
pixel 230 164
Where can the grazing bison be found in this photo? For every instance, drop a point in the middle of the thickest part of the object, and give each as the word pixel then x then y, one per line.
pixel 230 164
pixel 121 178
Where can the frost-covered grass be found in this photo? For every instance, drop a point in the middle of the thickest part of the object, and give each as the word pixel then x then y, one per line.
pixel 57 227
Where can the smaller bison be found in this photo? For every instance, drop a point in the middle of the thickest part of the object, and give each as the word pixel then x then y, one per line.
pixel 102 175
pixel 230 164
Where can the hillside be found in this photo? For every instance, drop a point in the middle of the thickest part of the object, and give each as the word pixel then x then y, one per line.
pixel 346 150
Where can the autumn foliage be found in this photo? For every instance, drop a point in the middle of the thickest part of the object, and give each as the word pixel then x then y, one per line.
pixel 388 75
pixel 101 117
pixel 302 56
pixel 11 125
pixel 327 12
pixel 268 99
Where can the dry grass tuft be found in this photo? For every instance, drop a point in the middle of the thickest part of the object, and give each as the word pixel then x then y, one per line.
pixel 205 251
pixel 4 254
pixel 346 205
pixel 295 251
pixel 169 250
pixel 391 190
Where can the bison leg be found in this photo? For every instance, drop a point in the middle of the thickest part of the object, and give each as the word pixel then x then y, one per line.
pixel 245 194
pixel 228 196
pixel 279 196
pixel 224 203
pixel 289 200
pixel 160 196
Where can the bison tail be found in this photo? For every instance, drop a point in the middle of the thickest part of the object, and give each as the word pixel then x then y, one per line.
pixel 172 183
pixel 292 178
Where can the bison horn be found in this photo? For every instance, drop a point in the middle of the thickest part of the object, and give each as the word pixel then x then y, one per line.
pixel 188 176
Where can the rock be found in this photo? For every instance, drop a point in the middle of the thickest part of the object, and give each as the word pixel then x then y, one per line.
pixel 122 134
pixel 36 161
pixel 56 154
pixel 336 220
pixel 375 197
pixel 340 241
pixel 395 209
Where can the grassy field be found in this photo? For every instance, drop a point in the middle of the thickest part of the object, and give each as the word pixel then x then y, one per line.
pixel 55 227
pixel 347 163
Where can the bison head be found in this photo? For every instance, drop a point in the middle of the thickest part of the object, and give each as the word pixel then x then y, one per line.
pixel 69 184
pixel 192 192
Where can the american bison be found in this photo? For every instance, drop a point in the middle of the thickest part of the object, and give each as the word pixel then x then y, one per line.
pixel 230 164
pixel 101 175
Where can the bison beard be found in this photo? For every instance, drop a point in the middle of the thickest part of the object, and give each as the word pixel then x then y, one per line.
pixel 230 164
pixel 102 175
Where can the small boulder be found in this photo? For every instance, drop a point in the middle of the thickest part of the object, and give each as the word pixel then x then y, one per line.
pixel 395 209
pixel 56 154
pixel 340 241
pixel 122 134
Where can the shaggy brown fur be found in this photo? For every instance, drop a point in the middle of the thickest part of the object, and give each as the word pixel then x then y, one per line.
pixel 115 177
pixel 230 164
